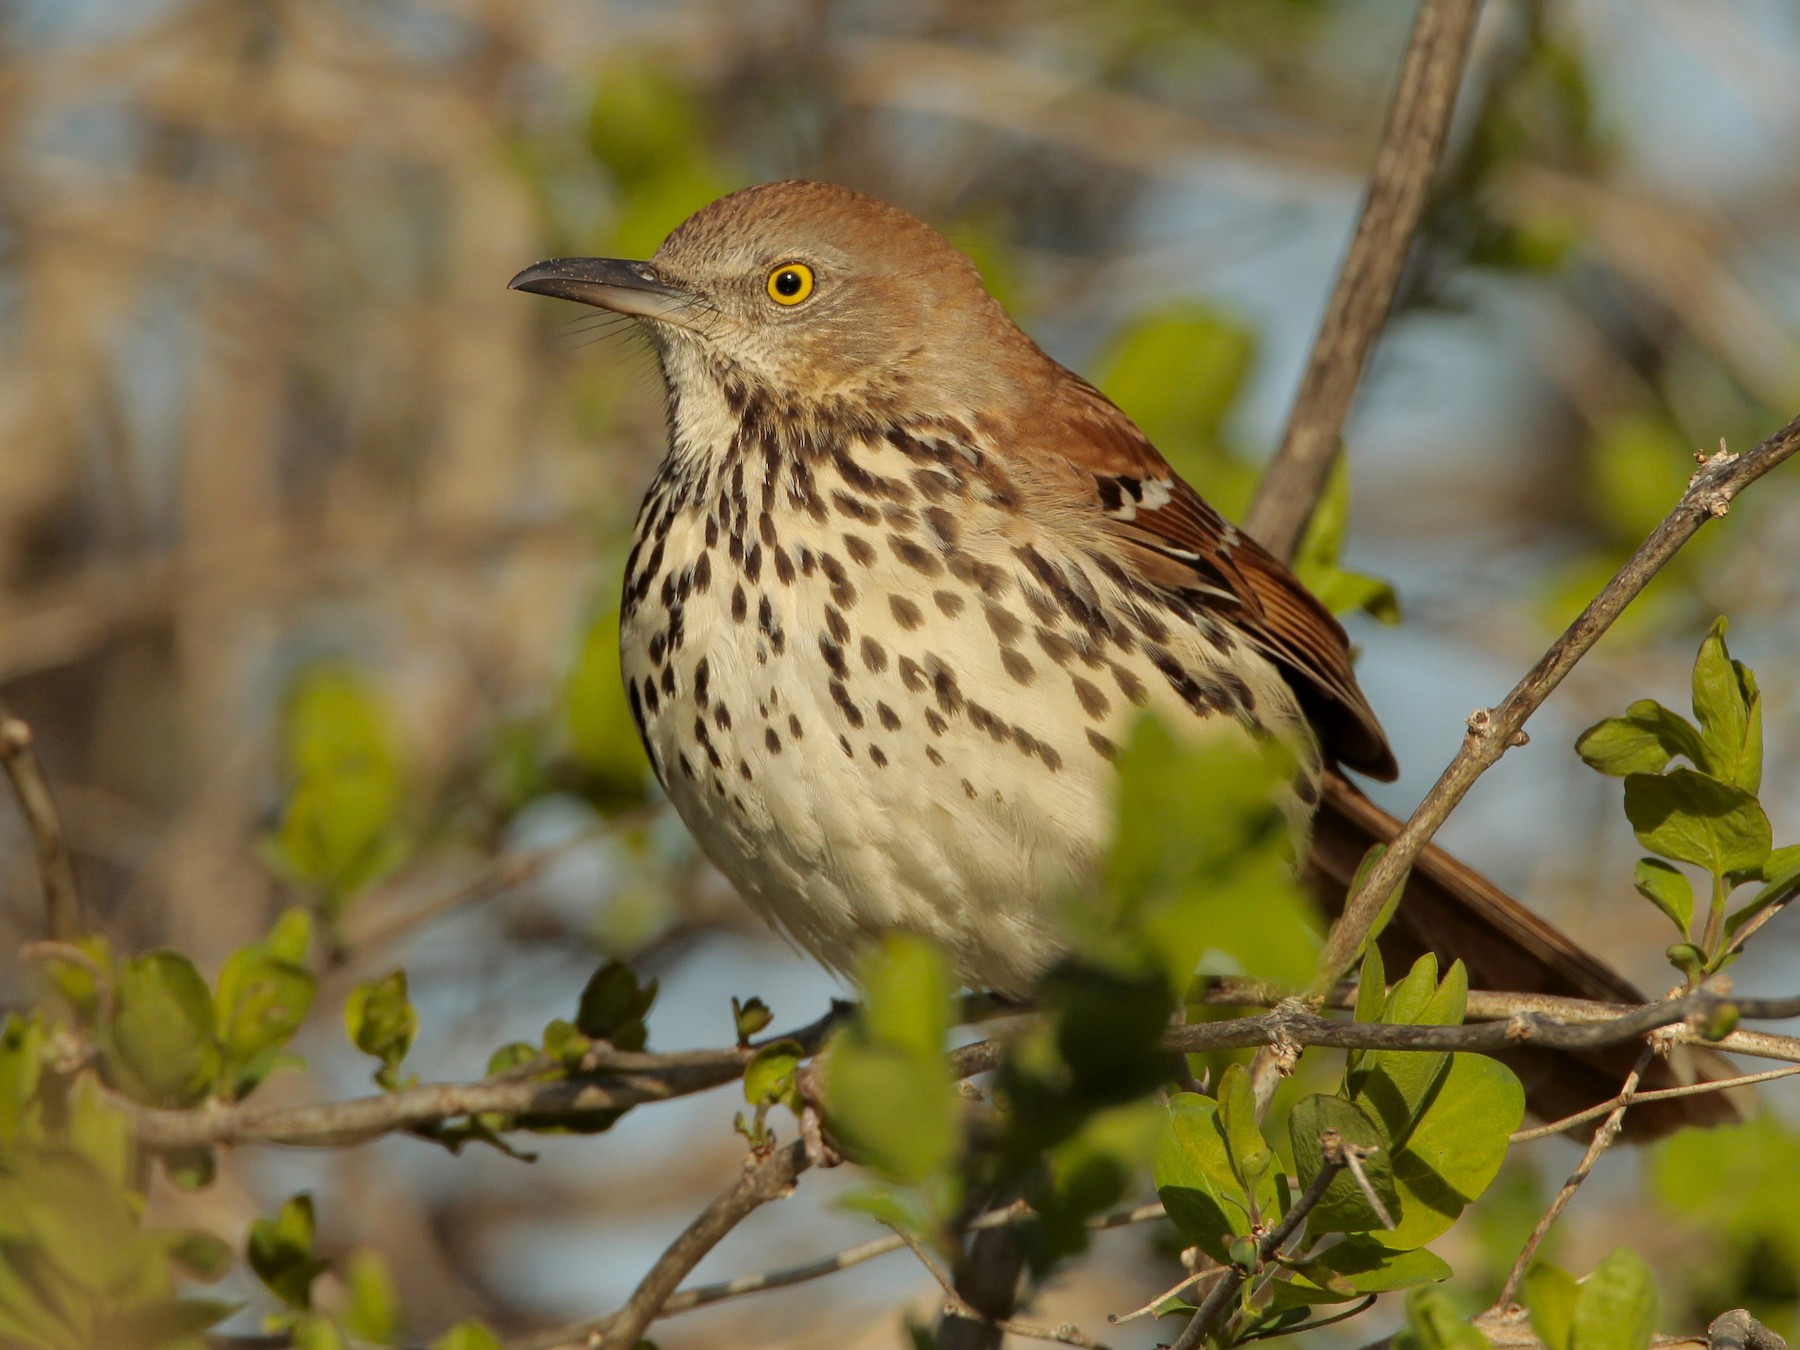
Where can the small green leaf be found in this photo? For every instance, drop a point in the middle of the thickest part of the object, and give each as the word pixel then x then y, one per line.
pixel 262 1000
pixel 281 1252
pixel 773 1074
pixel 163 1038
pixel 1781 871
pixel 750 1018
pixel 1343 1208
pixel 1551 1294
pixel 1644 740
pixel 1617 1305
pixel 613 1005
pixel 1245 1146
pixel 1693 817
pixel 1729 711
pixel 1669 891
pixel 382 1023
pixel 1395 1085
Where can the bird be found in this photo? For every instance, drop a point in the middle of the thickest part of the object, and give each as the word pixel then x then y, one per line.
pixel 903 583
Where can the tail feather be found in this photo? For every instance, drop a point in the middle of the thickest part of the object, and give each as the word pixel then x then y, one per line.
pixel 1454 911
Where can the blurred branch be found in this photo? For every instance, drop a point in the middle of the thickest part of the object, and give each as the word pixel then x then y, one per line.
pixel 62 901
pixel 1492 732
pixel 1411 143
pixel 1660 1094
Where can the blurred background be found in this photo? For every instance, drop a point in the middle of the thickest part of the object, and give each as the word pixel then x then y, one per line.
pixel 310 531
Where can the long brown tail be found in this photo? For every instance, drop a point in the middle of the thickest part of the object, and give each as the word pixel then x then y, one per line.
pixel 1453 910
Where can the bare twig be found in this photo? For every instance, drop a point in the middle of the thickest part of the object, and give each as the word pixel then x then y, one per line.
pixel 701 1295
pixel 62 901
pixel 1603 1140
pixel 1660 1094
pixel 764 1179
pixel 1492 732
pixel 1411 143
pixel 1213 1307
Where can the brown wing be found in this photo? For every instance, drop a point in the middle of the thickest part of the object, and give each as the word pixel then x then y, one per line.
pixel 1180 543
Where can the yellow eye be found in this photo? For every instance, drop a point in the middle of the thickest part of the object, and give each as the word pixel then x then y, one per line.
pixel 790 283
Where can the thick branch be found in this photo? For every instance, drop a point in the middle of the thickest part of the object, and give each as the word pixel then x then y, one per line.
pixel 62 900
pixel 620 1081
pixel 1411 143
pixel 1492 732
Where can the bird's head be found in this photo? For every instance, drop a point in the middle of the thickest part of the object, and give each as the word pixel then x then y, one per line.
pixel 811 292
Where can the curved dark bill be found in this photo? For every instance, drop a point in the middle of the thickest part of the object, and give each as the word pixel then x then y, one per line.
pixel 610 283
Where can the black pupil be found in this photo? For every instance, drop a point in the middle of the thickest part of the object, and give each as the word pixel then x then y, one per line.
pixel 787 282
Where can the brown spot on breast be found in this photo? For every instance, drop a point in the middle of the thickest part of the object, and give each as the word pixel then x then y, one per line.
pixel 876 755
pixel 935 720
pixel 784 566
pixel 771 740
pixel 908 615
pixel 855 508
pixel 1130 685
pixel 794 728
pixel 931 753
pixel 1057 647
pixel 1100 743
pixel 835 625
pixel 1003 621
pixel 949 602
pixel 1094 703
pixel 840 696
pixel 740 604
pixel 887 716
pixel 943 525
pixel 874 655
pixel 861 551
pixel 915 555
pixel 912 675
pixel 1016 665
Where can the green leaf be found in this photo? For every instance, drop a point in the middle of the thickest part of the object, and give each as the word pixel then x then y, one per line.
pixel 772 1077
pixel 1693 817
pixel 340 828
pixel 1245 1146
pixel 1642 741
pixel 163 1043
pixel 281 1252
pixel 1358 1266
pixel 888 1092
pixel 262 1000
pixel 1551 1295
pixel 1343 1208
pixel 1781 871
pixel 1432 1323
pixel 382 1023
pixel 750 1018
pixel 1455 1148
pixel 199 1255
pixel 1194 1177
pixel 1729 710
pixel 1617 1306
pixel 158 1322
pixel 613 1005
pixel 22 1051
pixel 1394 1086
pixel 1669 891
pixel 373 1313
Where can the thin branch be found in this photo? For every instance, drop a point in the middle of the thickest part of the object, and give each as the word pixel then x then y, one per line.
pixel 701 1295
pixel 1738 1330
pixel 1411 143
pixel 763 1179
pixel 1492 732
pixel 1660 1094
pixel 1212 1308
pixel 1603 1140
pixel 62 901
pixel 956 1304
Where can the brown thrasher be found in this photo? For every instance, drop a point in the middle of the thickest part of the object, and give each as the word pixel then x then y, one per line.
pixel 902 584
